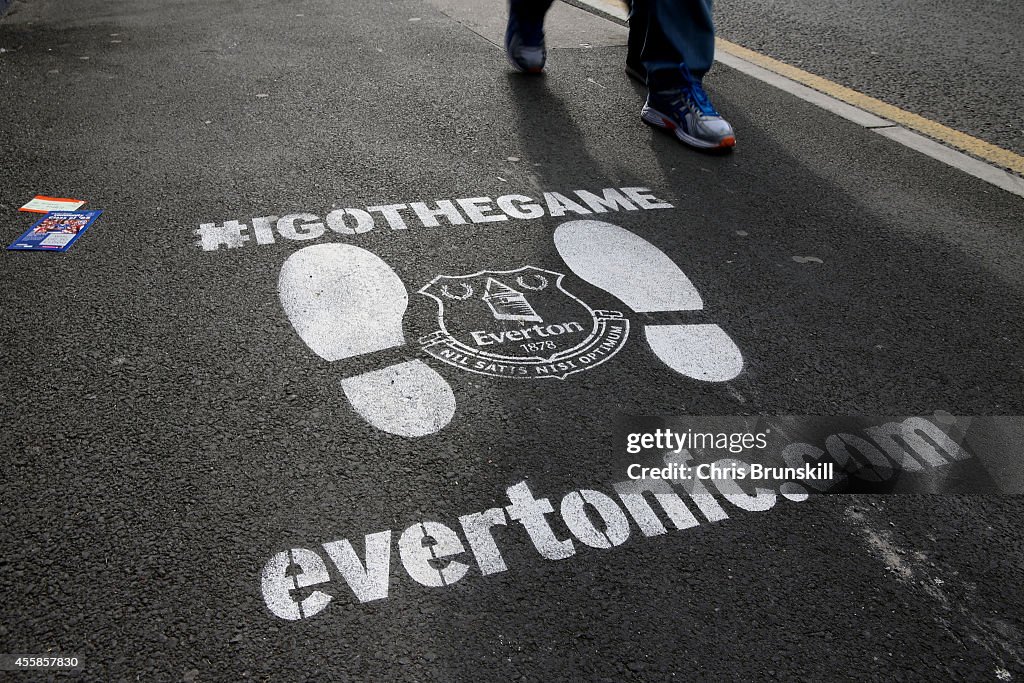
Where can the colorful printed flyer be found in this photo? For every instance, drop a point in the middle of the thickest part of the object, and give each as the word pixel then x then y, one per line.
pixel 43 204
pixel 56 231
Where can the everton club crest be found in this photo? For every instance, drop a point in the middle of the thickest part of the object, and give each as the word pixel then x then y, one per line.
pixel 519 323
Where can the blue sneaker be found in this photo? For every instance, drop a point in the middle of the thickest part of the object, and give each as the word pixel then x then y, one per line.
pixel 524 39
pixel 689 114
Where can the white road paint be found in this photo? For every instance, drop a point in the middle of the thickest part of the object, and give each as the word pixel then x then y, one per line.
pixel 616 525
pixel 703 352
pixel 408 399
pixel 422 545
pixel 344 301
pixel 645 279
pixel 632 492
pixel 760 500
pixel 434 555
pixel 477 527
pixel 593 338
pixel 916 568
pixel 368 581
pixel 922 436
pixel 277 583
pixel 531 512
pixel 626 266
pixel 303 226
pixel 300 226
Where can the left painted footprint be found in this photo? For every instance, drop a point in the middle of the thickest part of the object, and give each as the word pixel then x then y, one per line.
pixel 344 301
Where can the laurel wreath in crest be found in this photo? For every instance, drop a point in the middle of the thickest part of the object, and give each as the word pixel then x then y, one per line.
pixel 542 282
pixel 468 292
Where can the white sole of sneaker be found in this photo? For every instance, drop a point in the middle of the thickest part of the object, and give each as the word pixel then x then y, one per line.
pixel 656 118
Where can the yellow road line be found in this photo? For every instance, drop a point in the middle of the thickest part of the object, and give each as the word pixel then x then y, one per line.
pixel 954 138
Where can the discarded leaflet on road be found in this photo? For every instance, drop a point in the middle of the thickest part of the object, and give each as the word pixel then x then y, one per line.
pixel 56 231
pixel 43 204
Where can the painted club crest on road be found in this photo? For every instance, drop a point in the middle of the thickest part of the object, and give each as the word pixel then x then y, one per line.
pixel 519 323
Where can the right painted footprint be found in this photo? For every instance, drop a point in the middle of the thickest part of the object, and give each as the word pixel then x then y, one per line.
pixel 641 276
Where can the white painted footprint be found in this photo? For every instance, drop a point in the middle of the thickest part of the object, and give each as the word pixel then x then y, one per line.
pixel 645 279
pixel 343 302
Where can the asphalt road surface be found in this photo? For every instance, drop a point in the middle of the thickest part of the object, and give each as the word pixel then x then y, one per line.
pixel 199 415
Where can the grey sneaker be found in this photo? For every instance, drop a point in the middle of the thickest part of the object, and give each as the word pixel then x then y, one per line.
pixel 689 114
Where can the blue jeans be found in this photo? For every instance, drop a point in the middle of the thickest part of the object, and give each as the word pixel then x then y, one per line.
pixel 662 35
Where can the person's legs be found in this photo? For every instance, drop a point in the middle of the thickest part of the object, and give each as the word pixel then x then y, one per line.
pixel 672 46
pixel 638 17
pixel 674 43
pixel 666 33
pixel 524 37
